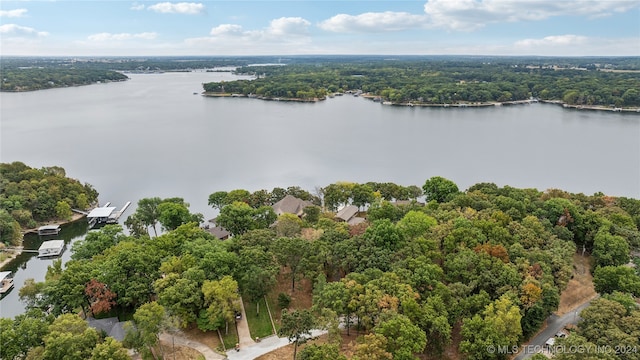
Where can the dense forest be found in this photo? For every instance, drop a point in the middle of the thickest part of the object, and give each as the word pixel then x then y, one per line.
pixel 30 196
pixel 443 82
pixel 413 271
pixel 584 81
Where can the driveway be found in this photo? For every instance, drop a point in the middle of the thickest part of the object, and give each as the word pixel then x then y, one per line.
pixel 554 325
pixel 265 345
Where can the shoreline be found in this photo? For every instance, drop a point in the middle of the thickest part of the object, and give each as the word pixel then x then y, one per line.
pixel 377 99
pixel 17 251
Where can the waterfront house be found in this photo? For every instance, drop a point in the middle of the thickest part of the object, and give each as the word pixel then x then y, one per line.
pixel 348 214
pixel 290 205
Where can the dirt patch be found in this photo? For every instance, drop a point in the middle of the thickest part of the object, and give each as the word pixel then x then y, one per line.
pixel 580 287
pixel 209 338
pixel 301 297
pixel 180 352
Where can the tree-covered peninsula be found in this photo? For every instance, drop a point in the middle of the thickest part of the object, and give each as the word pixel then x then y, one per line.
pixel 30 196
pixel 434 81
pixel 409 272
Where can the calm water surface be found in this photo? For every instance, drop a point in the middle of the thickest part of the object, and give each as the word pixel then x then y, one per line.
pixel 151 136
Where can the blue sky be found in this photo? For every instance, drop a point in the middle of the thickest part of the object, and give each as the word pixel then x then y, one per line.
pixel 427 27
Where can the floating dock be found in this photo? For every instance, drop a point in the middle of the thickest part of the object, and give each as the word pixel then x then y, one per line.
pixel 106 214
pixel 51 248
pixel 47 230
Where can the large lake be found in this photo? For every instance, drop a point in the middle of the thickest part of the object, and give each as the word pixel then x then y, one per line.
pixel 151 136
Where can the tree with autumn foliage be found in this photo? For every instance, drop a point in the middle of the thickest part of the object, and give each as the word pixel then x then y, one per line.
pixel 101 299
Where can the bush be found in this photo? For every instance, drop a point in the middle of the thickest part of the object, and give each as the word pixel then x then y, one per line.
pixel 284 300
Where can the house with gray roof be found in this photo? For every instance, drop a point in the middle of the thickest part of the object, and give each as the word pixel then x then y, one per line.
pixel 290 205
pixel 111 326
pixel 348 215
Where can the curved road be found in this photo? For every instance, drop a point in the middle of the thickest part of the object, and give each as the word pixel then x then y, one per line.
pixel 554 325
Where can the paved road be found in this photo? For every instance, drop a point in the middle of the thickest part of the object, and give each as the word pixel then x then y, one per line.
pixel 265 345
pixel 554 325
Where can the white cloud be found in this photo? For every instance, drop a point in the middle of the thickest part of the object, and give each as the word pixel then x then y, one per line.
pixel 555 40
pixel 472 14
pixel 283 35
pixel 22 31
pixel 178 8
pixel 137 7
pixel 288 26
pixel 13 13
pixel 227 30
pixel 575 45
pixel 278 29
pixel 373 22
pixel 122 36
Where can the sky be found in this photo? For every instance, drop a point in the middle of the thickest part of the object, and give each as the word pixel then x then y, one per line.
pixel 320 27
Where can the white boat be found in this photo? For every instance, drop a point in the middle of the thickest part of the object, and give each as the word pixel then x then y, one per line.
pixel 49 230
pixel 51 248
pixel 6 281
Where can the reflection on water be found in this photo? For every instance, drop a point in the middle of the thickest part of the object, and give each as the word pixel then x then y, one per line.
pixel 28 266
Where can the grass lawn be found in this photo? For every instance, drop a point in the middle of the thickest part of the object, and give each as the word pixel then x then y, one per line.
pixel 230 339
pixel 259 324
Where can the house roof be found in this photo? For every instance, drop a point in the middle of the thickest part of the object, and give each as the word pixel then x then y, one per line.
pixel 49 227
pixel 111 326
pixel 101 212
pixel 356 220
pixel 52 244
pixel 347 212
pixel 219 232
pixel 290 204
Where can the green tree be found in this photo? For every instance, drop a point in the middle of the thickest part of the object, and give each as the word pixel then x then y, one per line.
pixel 218 199
pixel 288 225
pixel 498 326
pixel 403 337
pixel 439 189
pixel 372 347
pixel 321 352
pixel 171 215
pixel 147 212
pixel 9 229
pixel 221 299
pixel 181 295
pixel 129 269
pixel 237 218
pixel 610 250
pixel 416 224
pixel 95 242
pixel 70 338
pixel 24 332
pixel 296 325
pixel 293 253
pixel 63 210
pixel 109 349
pixel 148 319
pixel 607 279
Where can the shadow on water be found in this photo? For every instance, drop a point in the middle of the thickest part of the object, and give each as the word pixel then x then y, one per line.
pixel 28 266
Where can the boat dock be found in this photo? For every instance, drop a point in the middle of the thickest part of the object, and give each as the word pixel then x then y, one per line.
pixel 51 248
pixel 47 230
pixel 106 214
pixel 6 281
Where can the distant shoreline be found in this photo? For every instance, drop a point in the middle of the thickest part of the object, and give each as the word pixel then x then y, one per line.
pixel 456 105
